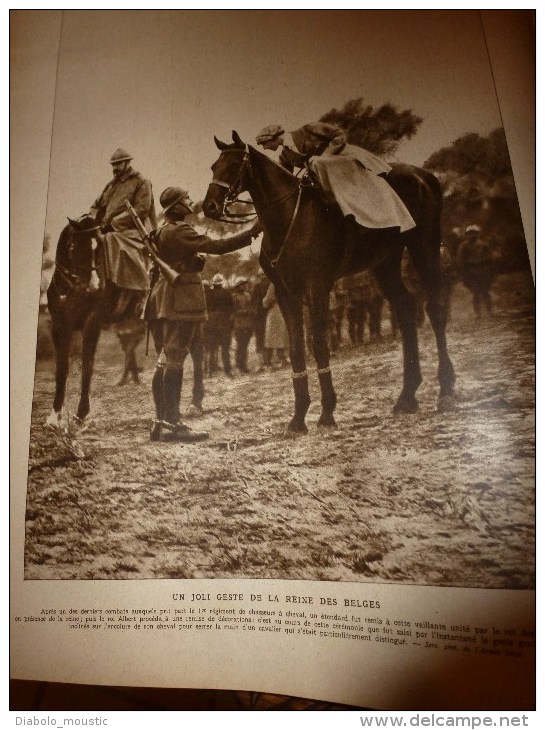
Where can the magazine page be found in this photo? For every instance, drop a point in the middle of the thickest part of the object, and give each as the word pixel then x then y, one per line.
pixel 273 423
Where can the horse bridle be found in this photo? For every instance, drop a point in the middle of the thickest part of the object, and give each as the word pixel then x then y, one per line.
pixel 233 191
pixel 74 281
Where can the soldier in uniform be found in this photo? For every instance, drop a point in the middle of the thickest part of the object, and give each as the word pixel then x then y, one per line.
pixel 130 333
pixel 243 321
pixel 176 310
pixel 476 264
pixel 218 328
pixel 123 260
pixel 127 184
pixel 364 299
pixel 259 289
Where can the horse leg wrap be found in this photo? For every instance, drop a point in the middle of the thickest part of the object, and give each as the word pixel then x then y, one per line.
pixel 298 376
pixel 329 397
pixel 302 397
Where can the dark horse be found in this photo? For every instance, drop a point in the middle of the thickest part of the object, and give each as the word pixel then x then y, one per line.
pixel 306 246
pixel 77 300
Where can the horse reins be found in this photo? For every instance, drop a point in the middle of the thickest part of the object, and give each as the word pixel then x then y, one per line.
pixel 232 196
pixel 234 189
pixel 73 280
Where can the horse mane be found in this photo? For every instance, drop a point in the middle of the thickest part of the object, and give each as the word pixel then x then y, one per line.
pixel 61 254
pixel 264 160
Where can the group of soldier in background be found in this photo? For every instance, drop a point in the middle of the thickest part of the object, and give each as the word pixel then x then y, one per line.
pixel 237 312
pixel 360 301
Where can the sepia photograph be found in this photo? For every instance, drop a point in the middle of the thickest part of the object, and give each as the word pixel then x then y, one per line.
pixel 286 324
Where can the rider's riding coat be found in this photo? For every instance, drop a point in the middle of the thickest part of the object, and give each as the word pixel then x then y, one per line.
pixel 123 250
pixel 110 205
pixel 348 175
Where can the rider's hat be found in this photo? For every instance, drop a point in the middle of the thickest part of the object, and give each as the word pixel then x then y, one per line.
pixel 269 133
pixel 171 196
pixel 218 280
pixel 120 155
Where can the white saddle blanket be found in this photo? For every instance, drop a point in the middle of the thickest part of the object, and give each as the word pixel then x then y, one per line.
pixel 358 191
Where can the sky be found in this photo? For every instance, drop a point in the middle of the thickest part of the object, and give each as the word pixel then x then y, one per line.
pixel 162 83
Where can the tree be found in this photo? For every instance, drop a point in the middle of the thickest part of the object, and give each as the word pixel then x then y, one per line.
pixel 378 130
pixel 478 187
pixel 487 157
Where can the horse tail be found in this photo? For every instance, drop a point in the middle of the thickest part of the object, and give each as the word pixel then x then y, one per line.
pixel 424 241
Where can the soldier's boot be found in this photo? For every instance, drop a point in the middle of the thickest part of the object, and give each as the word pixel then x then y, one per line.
pixel 267 360
pixel 172 389
pixel 282 359
pixel 157 392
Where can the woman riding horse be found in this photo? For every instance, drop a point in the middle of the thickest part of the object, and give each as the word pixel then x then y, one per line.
pixel 304 250
pixel 348 176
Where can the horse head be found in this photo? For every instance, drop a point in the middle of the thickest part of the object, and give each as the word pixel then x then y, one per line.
pixel 230 177
pixel 76 253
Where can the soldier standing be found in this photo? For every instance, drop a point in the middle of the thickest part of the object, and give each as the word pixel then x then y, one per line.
pixel 122 252
pixel 176 310
pixel 219 304
pixel 259 289
pixel 475 260
pixel 243 321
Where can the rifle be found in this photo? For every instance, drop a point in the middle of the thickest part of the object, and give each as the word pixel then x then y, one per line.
pixel 170 274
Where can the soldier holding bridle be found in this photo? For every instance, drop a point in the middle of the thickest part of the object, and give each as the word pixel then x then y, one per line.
pixel 176 309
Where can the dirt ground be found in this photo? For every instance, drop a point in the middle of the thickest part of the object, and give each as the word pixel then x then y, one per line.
pixel 431 498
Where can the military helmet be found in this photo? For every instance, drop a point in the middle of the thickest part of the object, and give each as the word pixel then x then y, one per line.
pixel 171 196
pixel 218 280
pixel 473 229
pixel 120 155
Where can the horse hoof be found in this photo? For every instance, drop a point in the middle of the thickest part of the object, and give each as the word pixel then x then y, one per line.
pixel 293 431
pixel 58 421
pixel 155 431
pixel 446 403
pixel 406 406
pixel 326 424
pixel 193 411
pixel 81 425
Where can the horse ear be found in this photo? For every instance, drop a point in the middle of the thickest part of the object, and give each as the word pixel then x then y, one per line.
pixel 219 144
pixel 237 140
